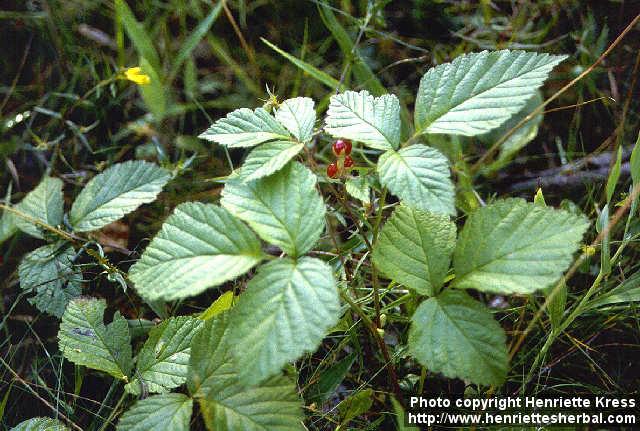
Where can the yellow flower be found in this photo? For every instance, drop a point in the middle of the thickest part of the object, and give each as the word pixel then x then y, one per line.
pixel 134 74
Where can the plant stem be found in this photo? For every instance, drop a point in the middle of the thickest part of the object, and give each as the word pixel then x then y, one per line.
pixel 383 346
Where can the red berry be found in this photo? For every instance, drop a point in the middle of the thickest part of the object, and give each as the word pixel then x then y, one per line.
pixel 341 145
pixel 347 150
pixel 338 147
pixel 332 170
pixel 348 162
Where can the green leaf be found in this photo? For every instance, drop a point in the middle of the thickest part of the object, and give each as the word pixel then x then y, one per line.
pixel 635 162
pixel 478 92
pixel 8 226
pixel 190 43
pixel 285 209
pixel 513 246
pixel 40 424
pixel 455 335
pixel 223 303
pixel 614 175
pixel 199 246
pixel 163 360
pixel 419 175
pixel 167 412
pixel 48 271
pixel 361 70
pixel 355 405
pixel 228 405
pixel 557 305
pixel 245 128
pixel 298 115
pixel 44 204
pixel 538 198
pixel 309 69
pixel 374 121
pixel 330 380
pixel 268 158
pixel 519 138
pixel 286 311
pixel 605 247
pixel 414 248
pixel 358 187
pixel 400 417
pixel 154 94
pixel 627 291
pixel 115 192
pixel 137 33
pixel 209 363
pixel 85 340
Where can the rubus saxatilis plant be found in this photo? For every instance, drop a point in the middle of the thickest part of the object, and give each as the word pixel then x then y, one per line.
pixel 275 230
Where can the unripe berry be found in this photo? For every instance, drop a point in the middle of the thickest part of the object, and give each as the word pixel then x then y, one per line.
pixel 340 146
pixel 332 170
pixel 348 162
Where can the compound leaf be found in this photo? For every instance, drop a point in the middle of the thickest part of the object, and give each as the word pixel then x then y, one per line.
pixel 245 128
pixel 512 246
pixel 40 424
pixel 163 360
pixel 199 246
pixel 44 204
pixel 298 115
pixel 166 412
pixel 477 92
pixel 268 158
pixel 115 192
pixel 374 121
pixel 414 248
pixel 228 405
pixel 286 311
pixel 285 208
pixel 419 175
pixel 48 271
pixel 85 340
pixel 455 335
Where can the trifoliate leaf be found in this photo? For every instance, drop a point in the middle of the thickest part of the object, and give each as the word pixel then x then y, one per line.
pixel 199 246
pixel 285 209
pixel 49 272
pixel 116 192
pixel 44 204
pixel 414 248
pixel 85 340
pixel 374 121
pixel 286 311
pixel 268 158
pixel 166 412
pixel 477 92
pixel 40 424
pixel 162 362
pixel 245 128
pixel 358 187
pixel 419 176
pixel 298 115
pixel 512 246
pixel 455 335
pixel 227 404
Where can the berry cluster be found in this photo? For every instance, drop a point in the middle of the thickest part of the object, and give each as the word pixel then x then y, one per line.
pixel 342 149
